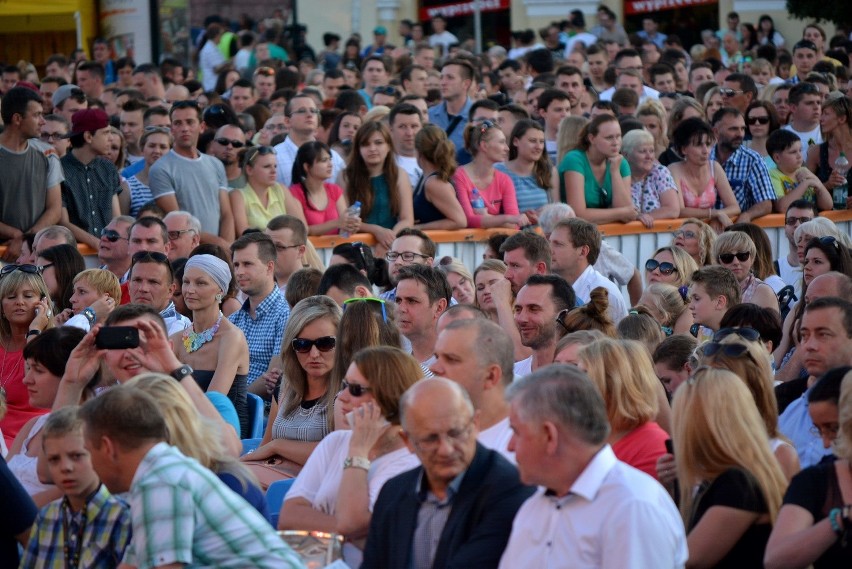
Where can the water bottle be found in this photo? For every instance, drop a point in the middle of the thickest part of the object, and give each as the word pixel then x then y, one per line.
pixel 477 203
pixel 841 192
pixel 353 210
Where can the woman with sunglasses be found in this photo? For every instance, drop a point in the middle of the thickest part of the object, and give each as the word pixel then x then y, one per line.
pixel 696 238
pixel 481 180
pixel 300 418
pixel 215 348
pixel 735 251
pixel 262 198
pixel 155 143
pixel 336 490
pixel 763 266
pixel 323 203
pixel 533 174
pixel 373 178
pixel 761 121
pixel 653 190
pixel 624 374
pixel 740 351
pixel 59 265
pixel 594 178
pixel 702 182
pixel 739 483
pixel 670 265
pixel 836 124
pixel 435 203
pixel 26 311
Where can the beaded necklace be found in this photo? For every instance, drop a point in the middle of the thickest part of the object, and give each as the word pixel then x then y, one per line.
pixel 193 340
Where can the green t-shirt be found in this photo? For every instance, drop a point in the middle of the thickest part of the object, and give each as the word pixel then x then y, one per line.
pixel 598 196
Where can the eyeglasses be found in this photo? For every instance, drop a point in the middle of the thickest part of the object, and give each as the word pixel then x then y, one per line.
pixel 757 120
pixel 825 432
pixel 407 256
pixel 30 269
pixel 261 151
pixel 304 112
pixel 48 136
pixel 355 389
pixel 730 350
pixel 431 443
pixel 112 235
pixel 665 267
pixel 175 235
pixel 726 92
pixel 279 247
pixel 225 142
pixel 358 246
pixel 745 333
pixel 304 345
pixel 794 220
pixel 146 255
pixel 727 258
pixel 379 301
pixel 265 71
pixel 685 234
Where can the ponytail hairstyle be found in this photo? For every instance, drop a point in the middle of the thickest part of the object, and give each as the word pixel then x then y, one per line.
pixel 306 157
pixel 542 167
pixel 475 133
pixel 592 129
pixel 594 315
pixel 433 145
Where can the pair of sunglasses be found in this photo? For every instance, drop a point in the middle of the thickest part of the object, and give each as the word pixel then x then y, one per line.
pixel 31 269
pixel 304 345
pixel 730 350
pixel 746 333
pixel 727 258
pixel 665 267
pixel 112 235
pixel 355 389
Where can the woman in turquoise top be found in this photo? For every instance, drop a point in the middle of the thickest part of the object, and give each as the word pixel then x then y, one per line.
pixel 595 177
pixel 373 178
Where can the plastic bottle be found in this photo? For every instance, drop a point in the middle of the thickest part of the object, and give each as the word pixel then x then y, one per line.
pixel 477 203
pixel 841 192
pixel 353 210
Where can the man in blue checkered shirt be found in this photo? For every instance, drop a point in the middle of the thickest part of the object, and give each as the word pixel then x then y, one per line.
pixel 745 168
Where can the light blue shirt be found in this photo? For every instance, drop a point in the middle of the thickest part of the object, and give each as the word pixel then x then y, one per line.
pixel 795 423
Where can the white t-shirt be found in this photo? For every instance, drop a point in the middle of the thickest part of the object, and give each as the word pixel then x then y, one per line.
pixel 808 138
pixel 591 279
pixel 523 368
pixel 496 437
pixel 409 164
pixel 209 58
pixel 791 275
pixel 647 93
pixel 445 39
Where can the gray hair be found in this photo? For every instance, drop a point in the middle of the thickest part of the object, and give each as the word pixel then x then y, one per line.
pixel 553 213
pixel 193 221
pixel 633 139
pixel 493 345
pixel 562 394
pixel 821 227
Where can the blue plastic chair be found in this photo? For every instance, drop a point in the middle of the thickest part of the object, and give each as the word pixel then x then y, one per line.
pixel 275 497
pixel 250 444
pixel 255 410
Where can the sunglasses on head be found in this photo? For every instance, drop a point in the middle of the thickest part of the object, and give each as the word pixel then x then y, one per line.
pixel 379 301
pixel 265 71
pixel 665 267
pixel 727 92
pixel 112 235
pixel 745 333
pixel 485 125
pixel 304 345
pixel 146 255
pixel 794 220
pixel 726 258
pixel 829 240
pixel 226 141
pixel 757 120
pixel 158 129
pixel 261 151
pixel 730 350
pixel 355 389
pixel 386 90
pixel 31 269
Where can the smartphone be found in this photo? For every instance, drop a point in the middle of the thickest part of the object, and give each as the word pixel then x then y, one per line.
pixel 117 338
pixel 669 446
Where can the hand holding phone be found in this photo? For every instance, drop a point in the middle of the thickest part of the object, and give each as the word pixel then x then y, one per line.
pixel 117 338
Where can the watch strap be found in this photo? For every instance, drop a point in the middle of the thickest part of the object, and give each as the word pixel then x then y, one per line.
pixel 357 462
pixel 181 372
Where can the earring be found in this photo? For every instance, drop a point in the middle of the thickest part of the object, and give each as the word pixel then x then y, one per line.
pixel 219 297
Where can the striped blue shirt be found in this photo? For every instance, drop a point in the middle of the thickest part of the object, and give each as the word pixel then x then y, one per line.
pixel 264 332
pixel 748 176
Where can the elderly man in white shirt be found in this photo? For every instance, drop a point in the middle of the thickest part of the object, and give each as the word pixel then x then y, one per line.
pixel 574 247
pixel 591 510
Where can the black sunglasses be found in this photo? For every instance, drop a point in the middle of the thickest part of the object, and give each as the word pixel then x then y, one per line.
pixel 727 258
pixel 665 267
pixel 145 255
pixel 794 220
pixel 746 333
pixel 355 389
pixel 304 345
pixel 386 90
pixel 757 120
pixel 829 240
pixel 112 235
pixel 730 350
pixel 226 141
pixel 31 269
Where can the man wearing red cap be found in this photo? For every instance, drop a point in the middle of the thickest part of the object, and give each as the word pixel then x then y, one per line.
pixel 92 184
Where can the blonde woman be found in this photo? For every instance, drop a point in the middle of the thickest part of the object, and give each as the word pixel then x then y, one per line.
pixel 670 265
pixel 667 305
pixel 739 350
pixel 198 437
pixel 494 296
pixel 740 484
pixel 460 279
pixel 696 238
pixel 653 116
pixel 568 136
pixel 652 188
pixel 624 374
pixel 735 251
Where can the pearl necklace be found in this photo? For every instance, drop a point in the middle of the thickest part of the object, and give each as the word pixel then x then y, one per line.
pixel 193 340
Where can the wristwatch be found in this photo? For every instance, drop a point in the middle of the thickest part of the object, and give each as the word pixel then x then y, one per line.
pixel 182 372
pixel 357 462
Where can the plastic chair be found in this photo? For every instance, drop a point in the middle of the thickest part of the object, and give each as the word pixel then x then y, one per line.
pixel 251 444
pixel 255 410
pixel 275 497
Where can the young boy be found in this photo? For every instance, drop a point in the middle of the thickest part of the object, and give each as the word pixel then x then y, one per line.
pixel 713 291
pixel 89 527
pixel 790 179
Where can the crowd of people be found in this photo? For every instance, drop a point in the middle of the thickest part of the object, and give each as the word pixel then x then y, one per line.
pixel 553 405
